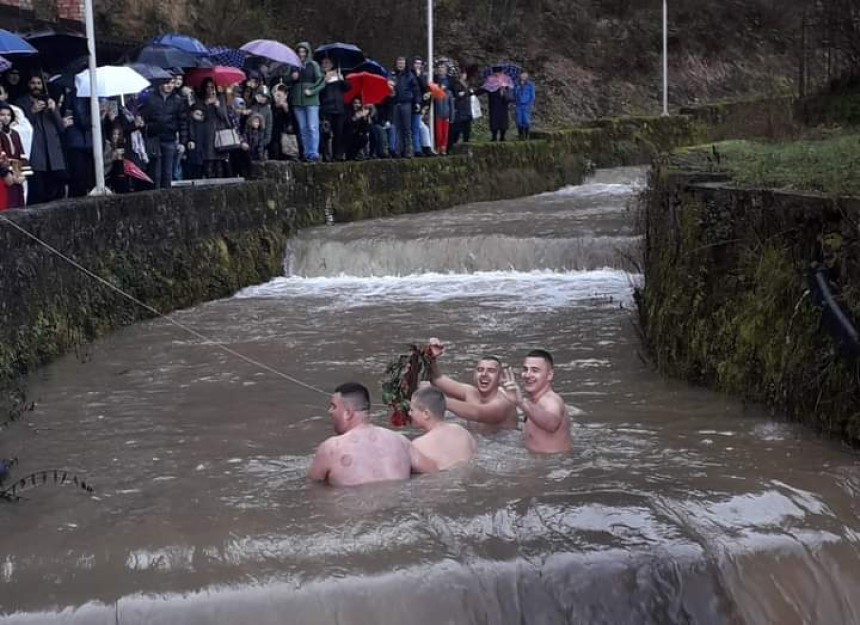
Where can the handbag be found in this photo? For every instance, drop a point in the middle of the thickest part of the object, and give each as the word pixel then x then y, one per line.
pixel 476 107
pixel 227 139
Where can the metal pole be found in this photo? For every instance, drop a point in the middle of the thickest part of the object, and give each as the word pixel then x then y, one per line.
pixel 431 76
pixel 665 58
pixel 98 145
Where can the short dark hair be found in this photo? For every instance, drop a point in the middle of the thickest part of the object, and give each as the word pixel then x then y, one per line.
pixel 356 394
pixel 542 353
pixel 432 399
pixel 493 358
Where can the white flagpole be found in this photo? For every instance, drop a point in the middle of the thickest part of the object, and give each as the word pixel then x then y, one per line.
pixel 431 72
pixel 98 145
pixel 665 58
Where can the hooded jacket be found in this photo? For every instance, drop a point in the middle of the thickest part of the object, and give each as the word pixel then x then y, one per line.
pixel 310 77
pixel 524 94
pixel 265 111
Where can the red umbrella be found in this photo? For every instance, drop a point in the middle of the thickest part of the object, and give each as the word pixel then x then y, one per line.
pixel 133 171
pixel 371 88
pixel 222 76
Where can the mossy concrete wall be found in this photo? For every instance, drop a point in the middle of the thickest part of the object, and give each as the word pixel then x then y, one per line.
pixel 169 249
pixel 726 300
pixel 173 249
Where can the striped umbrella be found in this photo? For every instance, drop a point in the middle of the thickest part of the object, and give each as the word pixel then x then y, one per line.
pixel 227 57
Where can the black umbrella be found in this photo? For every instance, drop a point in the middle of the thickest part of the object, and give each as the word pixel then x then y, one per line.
pixel 57 44
pixel 150 72
pixel 166 57
pixel 343 55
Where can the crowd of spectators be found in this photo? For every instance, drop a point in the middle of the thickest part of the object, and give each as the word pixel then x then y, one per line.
pixel 174 132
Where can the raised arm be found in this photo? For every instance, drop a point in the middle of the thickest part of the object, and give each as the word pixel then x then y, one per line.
pixel 450 387
pixel 321 464
pixel 493 413
pixel 547 413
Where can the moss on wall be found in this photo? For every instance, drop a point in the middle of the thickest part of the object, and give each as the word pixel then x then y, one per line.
pixel 726 301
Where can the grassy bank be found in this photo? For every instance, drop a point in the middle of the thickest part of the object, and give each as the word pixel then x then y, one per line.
pixel 821 164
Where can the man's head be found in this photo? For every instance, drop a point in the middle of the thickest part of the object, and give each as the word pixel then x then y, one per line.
pixel 178 81
pixel 538 372
pixel 35 85
pixel 418 65
pixel 13 77
pixel 524 77
pixel 441 70
pixel 400 63
pixel 166 87
pixel 487 373
pixel 349 406
pixel 427 407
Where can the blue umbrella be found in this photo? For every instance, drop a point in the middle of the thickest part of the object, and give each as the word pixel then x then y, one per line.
pixel 227 57
pixel 510 70
pixel 10 43
pixel 181 42
pixel 344 55
pixel 371 67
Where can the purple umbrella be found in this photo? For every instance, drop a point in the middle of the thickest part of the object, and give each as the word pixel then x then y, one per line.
pixel 272 50
pixel 495 82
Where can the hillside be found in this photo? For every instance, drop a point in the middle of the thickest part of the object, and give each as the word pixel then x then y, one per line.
pixel 588 58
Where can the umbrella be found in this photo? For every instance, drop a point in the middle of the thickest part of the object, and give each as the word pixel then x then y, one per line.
pixel 10 43
pixel 510 70
pixel 436 91
pixel 133 171
pixel 150 72
pixel 111 81
pixel 372 88
pixel 167 57
pixel 272 50
pixel 493 83
pixel 371 67
pixel 57 43
pixel 344 55
pixel 227 57
pixel 5 64
pixel 181 42
pixel 223 76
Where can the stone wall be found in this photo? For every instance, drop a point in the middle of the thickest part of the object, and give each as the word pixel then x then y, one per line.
pixel 727 301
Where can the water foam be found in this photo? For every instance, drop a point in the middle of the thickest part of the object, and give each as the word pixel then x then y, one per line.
pixel 534 290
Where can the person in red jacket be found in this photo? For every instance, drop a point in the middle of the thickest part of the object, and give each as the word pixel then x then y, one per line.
pixel 10 145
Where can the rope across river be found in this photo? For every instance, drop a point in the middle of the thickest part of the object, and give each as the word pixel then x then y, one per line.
pixel 161 315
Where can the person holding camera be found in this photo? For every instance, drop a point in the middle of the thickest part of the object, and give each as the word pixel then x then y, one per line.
pixel 47 160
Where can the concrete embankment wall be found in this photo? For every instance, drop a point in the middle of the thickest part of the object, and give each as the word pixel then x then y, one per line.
pixel 729 301
pixel 173 249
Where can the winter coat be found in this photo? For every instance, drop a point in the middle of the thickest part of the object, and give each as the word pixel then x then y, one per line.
pixel 524 94
pixel 165 117
pixel 497 103
pixel 462 102
pixel 216 119
pixel 256 146
pixel 46 153
pixel 406 88
pixel 444 108
pixel 310 77
pixel 79 136
pixel 264 111
pixel 331 98
pixel 198 132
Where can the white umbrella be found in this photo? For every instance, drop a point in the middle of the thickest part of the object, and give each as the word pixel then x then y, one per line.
pixel 111 81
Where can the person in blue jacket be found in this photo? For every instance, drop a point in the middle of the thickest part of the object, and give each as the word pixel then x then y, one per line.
pixel 524 99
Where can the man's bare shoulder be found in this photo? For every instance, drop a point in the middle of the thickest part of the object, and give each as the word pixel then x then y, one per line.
pixel 553 401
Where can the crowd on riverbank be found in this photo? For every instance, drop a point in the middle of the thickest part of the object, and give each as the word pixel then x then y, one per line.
pixel 214 121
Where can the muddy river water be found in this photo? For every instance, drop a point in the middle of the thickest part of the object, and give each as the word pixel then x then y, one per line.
pixel 677 505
